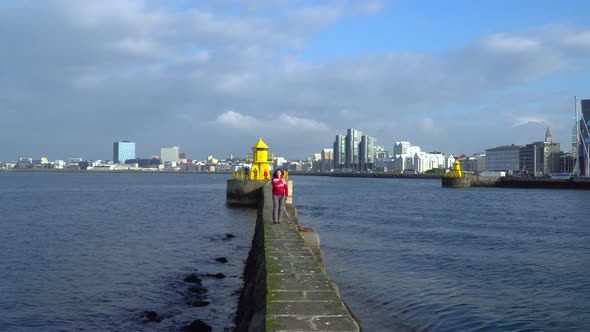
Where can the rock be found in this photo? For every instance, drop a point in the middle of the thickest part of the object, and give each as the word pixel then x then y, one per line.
pixel 152 316
pixel 217 275
pixel 193 279
pixel 197 290
pixel 229 236
pixel 221 260
pixel 199 303
pixel 197 326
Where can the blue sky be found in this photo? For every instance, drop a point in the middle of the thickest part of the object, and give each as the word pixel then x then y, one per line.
pixel 436 26
pixel 213 76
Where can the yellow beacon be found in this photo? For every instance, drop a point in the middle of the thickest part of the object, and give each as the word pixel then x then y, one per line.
pixel 260 162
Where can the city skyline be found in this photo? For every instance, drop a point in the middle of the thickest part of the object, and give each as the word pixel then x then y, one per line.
pixel 457 77
pixel 166 152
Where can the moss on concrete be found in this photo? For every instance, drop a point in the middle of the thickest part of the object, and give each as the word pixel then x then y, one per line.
pixel 272 324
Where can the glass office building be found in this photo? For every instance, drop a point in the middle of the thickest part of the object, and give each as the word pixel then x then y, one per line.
pixel 584 137
pixel 123 151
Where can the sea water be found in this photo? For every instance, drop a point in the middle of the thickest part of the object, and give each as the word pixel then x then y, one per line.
pixel 409 255
pixel 93 252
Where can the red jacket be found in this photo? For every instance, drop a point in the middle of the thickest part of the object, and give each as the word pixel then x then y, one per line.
pixel 280 187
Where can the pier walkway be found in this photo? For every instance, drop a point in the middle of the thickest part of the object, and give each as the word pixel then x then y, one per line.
pixel 298 294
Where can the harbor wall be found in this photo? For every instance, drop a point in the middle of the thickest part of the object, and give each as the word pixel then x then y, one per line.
pixel 456 182
pixel 544 183
pixel 251 311
pixel 530 182
pixel 484 181
pixel 286 287
pixel 244 192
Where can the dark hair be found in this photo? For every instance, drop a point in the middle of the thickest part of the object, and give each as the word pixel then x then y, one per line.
pixel 274 175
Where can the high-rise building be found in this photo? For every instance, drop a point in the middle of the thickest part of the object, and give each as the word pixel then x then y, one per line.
pixel 123 151
pixel 356 151
pixel 340 152
pixel 353 139
pixel 170 154
pixel 584 137
pixel 367 152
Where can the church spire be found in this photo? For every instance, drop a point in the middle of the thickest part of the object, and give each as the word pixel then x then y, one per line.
pixel 548 138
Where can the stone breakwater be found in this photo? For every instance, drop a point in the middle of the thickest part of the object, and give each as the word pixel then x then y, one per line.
pixel 530 182
pixel 285 284
pixel 516 182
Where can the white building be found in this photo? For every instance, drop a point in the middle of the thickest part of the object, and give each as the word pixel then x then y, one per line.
pixel 59 164
pixel 449 161
pixel 170 154
pixel 439 160
pixel 403 156
pixel 212 161
pixel 279 161
pixel 126 167
pixel 426 161
pixel 400 148
pixel 403 162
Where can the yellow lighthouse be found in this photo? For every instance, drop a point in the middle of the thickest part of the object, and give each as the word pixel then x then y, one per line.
pixel 456 172
pixel 260 161
pixel 244 188
pixel 456 178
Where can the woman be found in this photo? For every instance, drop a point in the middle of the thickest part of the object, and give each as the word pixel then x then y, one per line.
pixel 280 190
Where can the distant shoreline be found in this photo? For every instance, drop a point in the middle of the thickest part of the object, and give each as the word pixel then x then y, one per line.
pixel 369 175
pixel 504 182
pixel 103 172
pixel 331 174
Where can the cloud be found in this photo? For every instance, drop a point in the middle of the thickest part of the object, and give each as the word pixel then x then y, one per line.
pixel 426 124
pixel 106 70
pixel 301 123
pixel 233 119
pixel 136 46
pixel 371 7
pixel 504 44
pixel 316 15
pixel 527 120
pixel 579 40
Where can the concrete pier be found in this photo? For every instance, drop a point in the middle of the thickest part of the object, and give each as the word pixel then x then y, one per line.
pixel 531 182
pixel 464 182
pixel 285 285
pixel 244 192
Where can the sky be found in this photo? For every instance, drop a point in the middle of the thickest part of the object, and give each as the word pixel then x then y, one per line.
pixel 213 76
